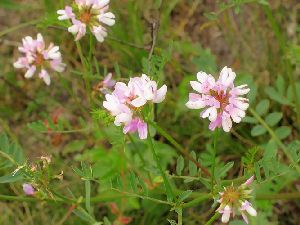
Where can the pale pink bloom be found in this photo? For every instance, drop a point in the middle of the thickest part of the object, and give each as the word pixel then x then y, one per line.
pixel 28 189
pixel 225 214
pixel 247 208
pixel 107 84
pixel 249 181
pixel 233 200
pixel 137 125
pixel 88 14
pixel 66 14
pixel 37 58
pixel 78 28
pixel 221 100
pixel 127 100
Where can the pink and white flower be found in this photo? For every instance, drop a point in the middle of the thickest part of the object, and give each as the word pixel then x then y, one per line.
pixel 37 58
pixel 90 14
pixel 220 99
pixel 127 101
pixel 233 200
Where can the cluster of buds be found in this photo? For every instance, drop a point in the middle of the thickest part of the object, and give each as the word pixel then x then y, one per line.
pixel 127 100
pixel 234 200
pixel 221 100
pixel 39 58
pixel 88 13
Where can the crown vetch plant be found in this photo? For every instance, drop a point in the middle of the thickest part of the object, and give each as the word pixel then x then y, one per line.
pixel 37 58
pixel 90 14
pixel 127 101
pixel 220 99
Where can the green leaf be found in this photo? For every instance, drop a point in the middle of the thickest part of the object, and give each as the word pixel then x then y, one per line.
pixel 172 222
pixel 283 132
pixel 133 182
pixel 249 119
pixel 179 165
pixel 192 166
pixel 38 126
pixel 11 179
pixel 184 195
pixel 258 130
pixel 262 107
pixel 274 95
pixel 273 118
pixel 280 85
pixel 82 214
pixel 106 221
pixel 223 170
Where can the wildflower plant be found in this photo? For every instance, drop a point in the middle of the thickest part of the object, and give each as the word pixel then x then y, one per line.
pixel 170 163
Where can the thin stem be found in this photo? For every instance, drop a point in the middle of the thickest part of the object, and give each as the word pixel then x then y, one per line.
pixel 86 79
pixel 179 213
pixel 168 187
pixel 216 134
pixel 182 151
pixel 88 196
pixel 140 155
pixel 277 140
pixel 213 218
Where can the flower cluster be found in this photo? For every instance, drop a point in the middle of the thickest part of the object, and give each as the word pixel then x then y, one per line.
pixel 221 100
pixel 39 58
pixel 233 200
pixel 88 13
pixel 127 100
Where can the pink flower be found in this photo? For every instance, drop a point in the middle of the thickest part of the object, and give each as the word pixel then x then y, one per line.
pixel 91 14
pixel 221 100
pixel 28 189
pixel 233 200
pixel 107 84
pixel 37 58
pixel 127 101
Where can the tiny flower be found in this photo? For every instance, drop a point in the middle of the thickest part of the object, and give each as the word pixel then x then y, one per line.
pixel 233 200
pixel 37 58
pixel 106 85
pixel 28 189
pixel 91 14
pixel 127 100
pixel 220 99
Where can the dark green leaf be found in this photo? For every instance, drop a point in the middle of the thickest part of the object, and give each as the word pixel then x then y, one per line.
pixel 180 165
pixel 283 132
pixel 262 107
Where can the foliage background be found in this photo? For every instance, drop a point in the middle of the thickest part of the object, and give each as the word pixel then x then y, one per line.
pixel 259 39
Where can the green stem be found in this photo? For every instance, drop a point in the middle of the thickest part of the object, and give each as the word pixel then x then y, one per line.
pixel 213 218
pixel 277 140
pixel 140 156
pixel 86 79
pixel 88 196
pixel 179 213
pixel 178 146
pixel 216 134
pixel 170 193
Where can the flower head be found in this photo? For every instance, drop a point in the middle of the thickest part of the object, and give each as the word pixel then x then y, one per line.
pixel 28 189
pixel 233 200
pixel 90 14
pixel 37 58
pixel 220 99
pixel 127 100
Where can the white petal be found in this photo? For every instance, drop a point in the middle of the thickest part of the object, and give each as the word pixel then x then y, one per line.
pixel 226 123
pixel 30 72
pixel 160 94
pixel 138 102
pixel 196 86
